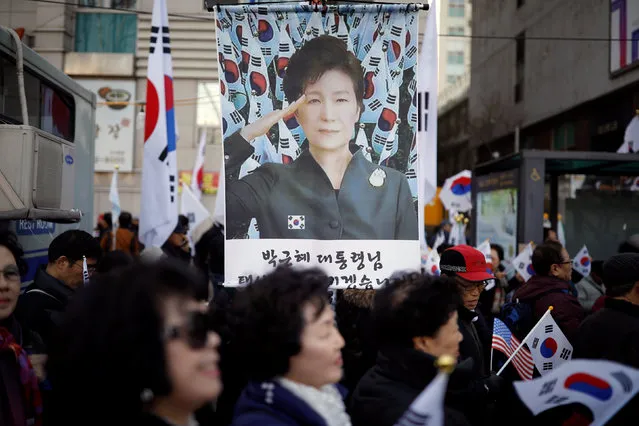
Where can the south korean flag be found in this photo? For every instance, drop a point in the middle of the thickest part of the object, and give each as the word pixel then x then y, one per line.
pixel 296 222
pixel 548 345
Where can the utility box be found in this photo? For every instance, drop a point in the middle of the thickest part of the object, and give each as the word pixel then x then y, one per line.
pixel 37 175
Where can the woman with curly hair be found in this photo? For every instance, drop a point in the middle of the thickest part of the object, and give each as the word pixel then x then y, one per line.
pixel 21 350
pixel 135 347
pixel 284 332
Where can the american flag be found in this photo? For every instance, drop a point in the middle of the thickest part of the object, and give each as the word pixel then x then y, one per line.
pixel 505 342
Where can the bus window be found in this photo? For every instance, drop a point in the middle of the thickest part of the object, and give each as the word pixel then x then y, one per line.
pixel 49 108
pixel 57 114
pixel 10 95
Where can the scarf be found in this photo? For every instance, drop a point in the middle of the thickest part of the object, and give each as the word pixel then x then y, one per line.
pixel 327 401
pixel 28 379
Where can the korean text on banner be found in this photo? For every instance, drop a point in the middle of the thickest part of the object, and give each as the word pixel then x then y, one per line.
pixel 291 171
pixel 114 123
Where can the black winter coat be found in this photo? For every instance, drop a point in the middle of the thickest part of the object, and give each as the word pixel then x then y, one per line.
pixel 387 390
pixel 612 333
pixel 42 305
pixel 468 392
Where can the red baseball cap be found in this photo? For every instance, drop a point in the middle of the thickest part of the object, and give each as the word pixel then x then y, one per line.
pixel 467 262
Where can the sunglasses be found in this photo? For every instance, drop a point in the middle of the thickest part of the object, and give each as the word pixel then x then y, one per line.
pixel 195 331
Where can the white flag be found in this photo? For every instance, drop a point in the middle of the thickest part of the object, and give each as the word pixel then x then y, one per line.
pixel 548 345
pixel 582 262
pixel 85 271
pixel 427 108
pixel 114 197
pixel 486 251
pixel 523 263
pixel 428 408
pixel 631 138
pixel 602 386
pixel 197 175
pixel 158 212
pixel 192 208
pixel 432 263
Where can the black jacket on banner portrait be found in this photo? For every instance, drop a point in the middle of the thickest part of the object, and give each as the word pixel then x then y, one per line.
pixel 359 210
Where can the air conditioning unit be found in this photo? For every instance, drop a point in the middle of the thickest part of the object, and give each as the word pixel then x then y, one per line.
pixel 37 175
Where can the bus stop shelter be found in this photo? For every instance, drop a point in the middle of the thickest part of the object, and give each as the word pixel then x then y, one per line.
pixel 510 195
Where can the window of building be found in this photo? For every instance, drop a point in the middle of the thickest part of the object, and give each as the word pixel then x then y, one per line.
pixel 520 66
pixel 456 30
pixel 456 8
pixel 105 32
pixel 101 31
pixel 208 111
pixel 456 57
pixel 451 78
pixel 564 137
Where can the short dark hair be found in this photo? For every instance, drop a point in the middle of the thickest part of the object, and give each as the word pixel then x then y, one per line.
pixel 414 306
pixel 74 244
pixel 545 255
pixel 443 247
pixel 108 218
pixel 124 221
pixel 110 341
pixel 9 240
pixel 314 59
pixel 267 319
pixel 499 249
pixel 547 232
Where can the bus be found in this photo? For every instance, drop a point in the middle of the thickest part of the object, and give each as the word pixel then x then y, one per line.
pixel 46 167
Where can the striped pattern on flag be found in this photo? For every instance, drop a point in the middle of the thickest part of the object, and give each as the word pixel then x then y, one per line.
pixel 506 343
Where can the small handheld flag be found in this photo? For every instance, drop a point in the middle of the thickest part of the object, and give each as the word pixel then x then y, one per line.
pixel 428 408
pixel 85 271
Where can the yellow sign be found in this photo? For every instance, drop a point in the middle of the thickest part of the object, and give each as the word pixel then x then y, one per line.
pixel 210 181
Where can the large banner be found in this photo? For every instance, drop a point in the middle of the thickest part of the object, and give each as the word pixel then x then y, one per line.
pixel 624 35
pixel 319 122
pixel 114 123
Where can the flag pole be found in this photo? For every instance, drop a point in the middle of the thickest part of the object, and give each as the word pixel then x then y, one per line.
pixel 114 225
pixel 521 345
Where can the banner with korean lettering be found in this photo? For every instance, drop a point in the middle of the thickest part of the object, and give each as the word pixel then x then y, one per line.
pixel 319 128
pixel 114 123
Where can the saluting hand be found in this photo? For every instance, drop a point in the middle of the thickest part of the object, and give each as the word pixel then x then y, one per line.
pixel 262 125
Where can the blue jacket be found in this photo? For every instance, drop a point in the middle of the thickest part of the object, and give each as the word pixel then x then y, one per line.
pixel 269 403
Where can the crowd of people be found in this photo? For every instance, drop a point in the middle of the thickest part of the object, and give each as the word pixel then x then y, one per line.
pixel 154 339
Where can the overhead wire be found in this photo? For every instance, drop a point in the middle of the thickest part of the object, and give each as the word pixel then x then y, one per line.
pixel 471 36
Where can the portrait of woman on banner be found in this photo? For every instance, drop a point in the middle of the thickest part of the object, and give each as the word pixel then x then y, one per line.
pixel 329 189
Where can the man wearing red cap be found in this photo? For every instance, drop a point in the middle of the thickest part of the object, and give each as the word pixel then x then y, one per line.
pixel 476 395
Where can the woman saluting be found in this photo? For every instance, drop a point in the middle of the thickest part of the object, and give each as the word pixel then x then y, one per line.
pixel 330 191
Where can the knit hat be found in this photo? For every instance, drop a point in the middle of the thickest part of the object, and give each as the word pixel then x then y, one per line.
pixel 621 269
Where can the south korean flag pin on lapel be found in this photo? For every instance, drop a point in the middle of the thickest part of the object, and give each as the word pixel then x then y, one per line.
pixel 296 221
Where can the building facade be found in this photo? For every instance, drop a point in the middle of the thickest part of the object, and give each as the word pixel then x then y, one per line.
pixel 454 51
pixel 552 74
pixel 103 46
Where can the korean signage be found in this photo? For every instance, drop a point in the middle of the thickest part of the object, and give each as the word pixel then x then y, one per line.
pixel 114 123
pixel 210 181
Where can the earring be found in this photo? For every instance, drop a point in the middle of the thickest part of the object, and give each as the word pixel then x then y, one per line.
pixel 146 395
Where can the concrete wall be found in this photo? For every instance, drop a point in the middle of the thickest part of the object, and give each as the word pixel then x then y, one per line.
pixel 559 74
